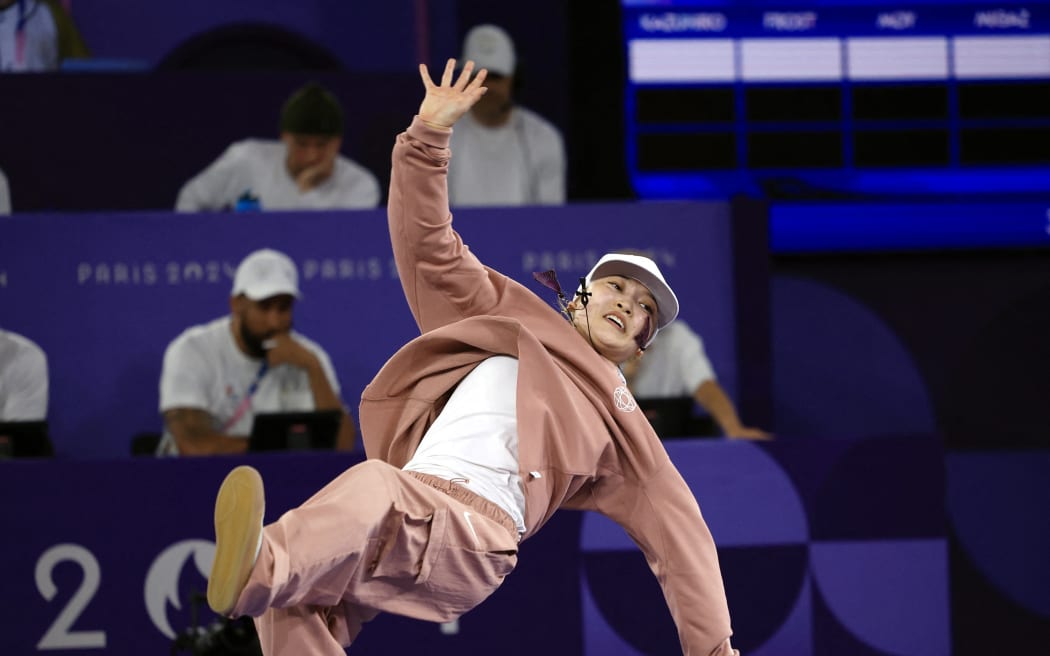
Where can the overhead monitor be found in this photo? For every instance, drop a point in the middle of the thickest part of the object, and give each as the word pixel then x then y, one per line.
pixel 836 98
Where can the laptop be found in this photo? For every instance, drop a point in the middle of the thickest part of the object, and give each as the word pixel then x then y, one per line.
pixel 673 417
pixel 25 439
pixel 295 431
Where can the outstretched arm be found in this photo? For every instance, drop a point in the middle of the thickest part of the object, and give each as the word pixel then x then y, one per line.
pixel 443 281
pixel 661 515
pixel 714 399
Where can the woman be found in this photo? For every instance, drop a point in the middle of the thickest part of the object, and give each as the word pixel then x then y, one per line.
pixel 477 431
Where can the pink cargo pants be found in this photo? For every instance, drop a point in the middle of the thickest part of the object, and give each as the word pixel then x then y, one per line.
pixel 375 539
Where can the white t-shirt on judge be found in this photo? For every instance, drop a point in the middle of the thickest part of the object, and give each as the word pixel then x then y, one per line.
pixel 258 166
pixel 675 364
pixel 204 369
pixel 23 379
pixel 519 163
pixel 41 51
pixel 5 195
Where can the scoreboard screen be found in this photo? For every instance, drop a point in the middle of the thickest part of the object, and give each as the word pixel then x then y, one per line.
pixel 837 97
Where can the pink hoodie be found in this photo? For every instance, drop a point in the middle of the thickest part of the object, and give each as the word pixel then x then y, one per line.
pixel 583 443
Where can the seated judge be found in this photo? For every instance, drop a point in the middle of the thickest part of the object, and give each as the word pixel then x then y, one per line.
pixel 303 170
pixel 217 376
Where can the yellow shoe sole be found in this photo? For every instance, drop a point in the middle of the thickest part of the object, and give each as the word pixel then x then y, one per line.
pixel 239 510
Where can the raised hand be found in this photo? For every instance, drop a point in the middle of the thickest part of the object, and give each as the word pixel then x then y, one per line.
pixel 445 103
pixel 282 348
pixel 312 176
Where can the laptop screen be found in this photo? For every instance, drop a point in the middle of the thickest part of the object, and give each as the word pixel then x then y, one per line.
pixel 295 431
pixel 674 417
pixel 25 439
pixel 669 416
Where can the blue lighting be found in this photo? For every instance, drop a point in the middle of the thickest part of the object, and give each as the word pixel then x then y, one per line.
pixel 860 227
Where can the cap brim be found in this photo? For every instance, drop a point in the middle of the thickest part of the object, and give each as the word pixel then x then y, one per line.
pixel 263 293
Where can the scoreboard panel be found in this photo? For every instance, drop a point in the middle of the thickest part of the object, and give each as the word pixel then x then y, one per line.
pixel 837 97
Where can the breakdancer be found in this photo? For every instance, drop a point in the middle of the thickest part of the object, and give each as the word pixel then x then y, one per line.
pixel 501 412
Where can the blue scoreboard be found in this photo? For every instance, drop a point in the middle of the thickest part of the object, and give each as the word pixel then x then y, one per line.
pixel 847 97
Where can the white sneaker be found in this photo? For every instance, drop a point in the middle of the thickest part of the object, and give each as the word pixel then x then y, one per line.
pixel 239 510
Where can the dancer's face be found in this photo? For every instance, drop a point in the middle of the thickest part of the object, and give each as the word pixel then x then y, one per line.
pixel 619 310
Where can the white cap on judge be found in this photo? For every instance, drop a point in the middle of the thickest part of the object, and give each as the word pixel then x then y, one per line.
pixel 490 47
pixel 266 273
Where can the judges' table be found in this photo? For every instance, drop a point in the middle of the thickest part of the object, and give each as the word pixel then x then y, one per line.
pixel 104 294
pixel 824 546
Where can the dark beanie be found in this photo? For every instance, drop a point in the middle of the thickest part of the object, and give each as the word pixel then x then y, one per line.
pixel 312 110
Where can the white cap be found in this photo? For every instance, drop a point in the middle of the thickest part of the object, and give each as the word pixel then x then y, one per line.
pixel 266 273
pixel 645 271
pixel 490 47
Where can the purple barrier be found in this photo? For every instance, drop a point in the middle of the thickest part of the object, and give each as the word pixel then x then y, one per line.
pixel 103 295
pixel 109 553
pixel 840 379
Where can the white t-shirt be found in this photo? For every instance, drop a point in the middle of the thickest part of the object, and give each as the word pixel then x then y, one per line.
pixel 204 369
pixel 41 38
pixel 5 195
pixel 675 364
pixel 474 441
pixel 23 379
pixel 257 166
pixel 519 163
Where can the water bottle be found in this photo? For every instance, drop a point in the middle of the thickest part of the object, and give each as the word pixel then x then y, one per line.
pixel 247 202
